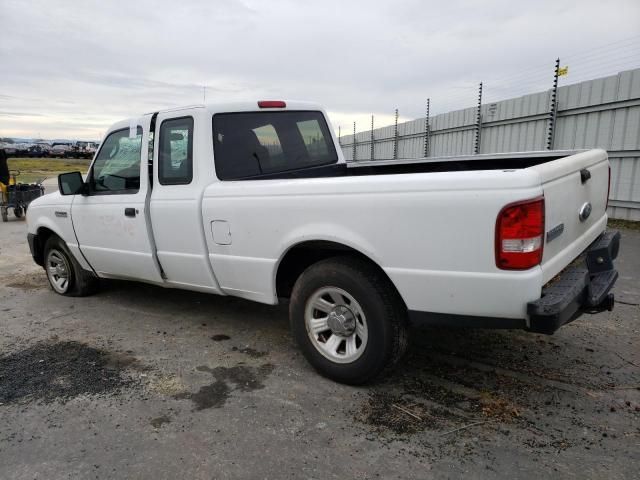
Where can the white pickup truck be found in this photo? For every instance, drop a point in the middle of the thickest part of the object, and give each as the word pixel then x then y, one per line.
pixel 256 201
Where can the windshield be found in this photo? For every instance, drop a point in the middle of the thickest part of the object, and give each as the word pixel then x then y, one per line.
pixel 117 166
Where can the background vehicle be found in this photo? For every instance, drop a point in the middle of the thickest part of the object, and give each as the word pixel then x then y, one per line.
pixel 59 150
pixel 257 202
pixel 20 150
pixel 37 151
pixel 81 149
pixel 9 149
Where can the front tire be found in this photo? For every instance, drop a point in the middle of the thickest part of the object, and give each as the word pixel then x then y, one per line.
pixel 64 273
pixel 348 319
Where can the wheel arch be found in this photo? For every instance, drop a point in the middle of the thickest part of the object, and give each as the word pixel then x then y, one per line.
pixel 43 233
pixel 43 228
pixel 299 256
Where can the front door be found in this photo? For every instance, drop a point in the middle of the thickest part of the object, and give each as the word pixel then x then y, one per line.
pixel 111 221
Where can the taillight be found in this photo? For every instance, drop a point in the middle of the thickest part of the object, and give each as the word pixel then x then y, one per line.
pixel 271 104
pixel 520 235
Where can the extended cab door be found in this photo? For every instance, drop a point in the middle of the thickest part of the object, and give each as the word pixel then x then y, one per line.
pixel 183 168
pixel 111 222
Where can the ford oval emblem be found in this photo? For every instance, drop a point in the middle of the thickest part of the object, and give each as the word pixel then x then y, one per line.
pixel 585 211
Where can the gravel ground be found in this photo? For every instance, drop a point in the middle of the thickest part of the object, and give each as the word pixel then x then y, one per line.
pixel 143 382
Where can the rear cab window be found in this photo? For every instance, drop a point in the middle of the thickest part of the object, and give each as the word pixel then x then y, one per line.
pixel 255 144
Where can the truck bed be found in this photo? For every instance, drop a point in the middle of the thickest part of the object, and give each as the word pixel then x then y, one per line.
pixel 458 163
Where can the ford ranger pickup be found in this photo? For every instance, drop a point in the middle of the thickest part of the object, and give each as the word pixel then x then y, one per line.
pixel 255 200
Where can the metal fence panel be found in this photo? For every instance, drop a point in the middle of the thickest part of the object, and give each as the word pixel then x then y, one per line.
pixel 600 113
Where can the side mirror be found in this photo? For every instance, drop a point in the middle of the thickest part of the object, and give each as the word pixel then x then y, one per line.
pixel 175 137
pixel 71 183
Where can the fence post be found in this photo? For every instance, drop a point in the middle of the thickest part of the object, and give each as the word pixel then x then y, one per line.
pixel 395 137
pixel 354 141
pixel 373 155
pixel 479 121
pixel 427 132
pixel 553 113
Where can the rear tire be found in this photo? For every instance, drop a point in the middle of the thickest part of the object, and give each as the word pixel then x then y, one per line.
pixel 64 273
pixel 348 320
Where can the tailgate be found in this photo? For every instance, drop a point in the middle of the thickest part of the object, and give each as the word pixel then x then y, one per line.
pixel 575 191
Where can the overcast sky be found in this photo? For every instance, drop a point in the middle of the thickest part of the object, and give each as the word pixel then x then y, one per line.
pixel 68 69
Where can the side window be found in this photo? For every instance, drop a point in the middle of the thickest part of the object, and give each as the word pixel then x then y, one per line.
pixel 175 157
pixel 117 166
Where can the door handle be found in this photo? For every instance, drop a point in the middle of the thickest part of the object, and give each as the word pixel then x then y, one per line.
pixel 130 212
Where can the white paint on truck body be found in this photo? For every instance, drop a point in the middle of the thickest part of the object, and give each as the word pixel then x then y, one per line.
pixel 432 233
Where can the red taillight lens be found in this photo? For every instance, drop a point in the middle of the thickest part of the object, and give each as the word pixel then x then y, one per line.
pixel 272 104
pixel 520 235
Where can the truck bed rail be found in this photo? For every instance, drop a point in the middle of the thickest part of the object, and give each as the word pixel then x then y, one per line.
pixel 551 154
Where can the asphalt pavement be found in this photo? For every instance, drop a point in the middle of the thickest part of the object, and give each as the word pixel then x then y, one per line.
pixel 143 382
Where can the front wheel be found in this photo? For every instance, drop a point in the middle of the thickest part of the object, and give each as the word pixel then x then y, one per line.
pixel 65 275
pixel 348 319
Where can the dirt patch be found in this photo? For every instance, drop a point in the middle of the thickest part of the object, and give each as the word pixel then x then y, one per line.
pixel 28 282
pixel 60 371
pixel 459 389
pixel 169 385
pixel 220 337
pixel 499 408
pixel 385 411
pixel 227 380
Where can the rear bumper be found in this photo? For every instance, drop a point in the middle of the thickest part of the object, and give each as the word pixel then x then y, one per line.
pixel 583 287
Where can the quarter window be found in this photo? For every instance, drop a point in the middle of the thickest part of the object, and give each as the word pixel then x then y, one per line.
pixel 175 165
pixel 117 166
